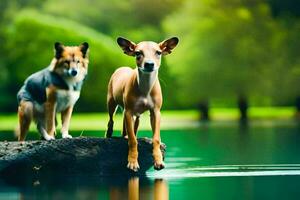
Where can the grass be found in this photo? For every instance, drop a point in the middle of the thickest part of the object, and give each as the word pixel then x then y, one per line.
pixel 170 119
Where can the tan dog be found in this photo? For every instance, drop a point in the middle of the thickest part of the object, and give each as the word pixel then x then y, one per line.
pixel 138 90
pixel 53 90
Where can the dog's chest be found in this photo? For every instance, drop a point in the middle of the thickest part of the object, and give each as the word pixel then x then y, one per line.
pixel 66 98
pixel 142 104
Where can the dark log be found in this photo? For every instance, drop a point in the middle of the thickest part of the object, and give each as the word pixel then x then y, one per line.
pixel 78 156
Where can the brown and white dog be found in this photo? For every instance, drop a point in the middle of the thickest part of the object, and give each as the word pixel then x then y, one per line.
pixel 138 90
pixel 52 90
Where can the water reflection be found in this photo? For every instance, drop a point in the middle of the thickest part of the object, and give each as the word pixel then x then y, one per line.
pixel 218 162
pixel 135 190
pixel 114 188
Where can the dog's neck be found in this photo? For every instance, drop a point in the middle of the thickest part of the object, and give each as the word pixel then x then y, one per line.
pixel 146 81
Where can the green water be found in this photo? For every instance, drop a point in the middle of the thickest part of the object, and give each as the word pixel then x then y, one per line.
pixel 202 163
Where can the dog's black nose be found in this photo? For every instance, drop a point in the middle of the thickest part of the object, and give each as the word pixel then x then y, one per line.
pixel 149 65
pixel 73 72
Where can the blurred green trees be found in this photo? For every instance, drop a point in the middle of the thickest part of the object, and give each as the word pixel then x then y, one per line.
pixel 227 48
pixel 234 48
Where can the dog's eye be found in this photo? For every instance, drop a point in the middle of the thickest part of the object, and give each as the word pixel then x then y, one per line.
pixel 138 54
pixel 66 63
pixel 158 53
pixel 78 61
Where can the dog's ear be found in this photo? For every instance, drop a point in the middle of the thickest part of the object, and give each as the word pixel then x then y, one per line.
pixel 84 48
pixel 168 45
pixel 127 46
pixel 58 48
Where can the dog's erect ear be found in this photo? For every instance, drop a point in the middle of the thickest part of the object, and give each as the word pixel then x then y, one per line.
pixel 84 48
pixel 168 45
pixel 59 48
pixel 127 46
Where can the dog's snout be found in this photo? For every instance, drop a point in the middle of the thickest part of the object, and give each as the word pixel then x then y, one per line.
pixel 73 72
pixel 149 65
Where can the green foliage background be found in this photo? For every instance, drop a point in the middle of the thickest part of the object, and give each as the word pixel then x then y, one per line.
pixel 227 48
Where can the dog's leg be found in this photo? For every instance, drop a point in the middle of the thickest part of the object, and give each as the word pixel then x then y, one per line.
pixel 50 111
pixel 40 127
pixel 124 132
pixel 155 124
pixel 25 113
pixel 111 104
pixel 132 142
pixel 56 123
pixel 65 119
pixel 136 124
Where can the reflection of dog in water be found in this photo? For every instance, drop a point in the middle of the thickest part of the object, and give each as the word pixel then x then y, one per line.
pixel 135 192
pixel 133 188
pixel 52 90
pixel 138 90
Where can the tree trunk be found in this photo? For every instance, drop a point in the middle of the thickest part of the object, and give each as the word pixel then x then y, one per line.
pixel 243 108
pixel 203 108
pixel 77 156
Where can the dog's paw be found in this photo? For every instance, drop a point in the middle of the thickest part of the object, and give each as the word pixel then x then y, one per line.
pixel 159 165
pixel 133 165
pixel 67 135
pixel 48 137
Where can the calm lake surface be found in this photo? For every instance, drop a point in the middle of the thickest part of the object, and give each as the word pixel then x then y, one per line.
pixel 229 162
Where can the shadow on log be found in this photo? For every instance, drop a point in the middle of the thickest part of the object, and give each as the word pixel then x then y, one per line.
pixel 78 156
